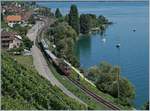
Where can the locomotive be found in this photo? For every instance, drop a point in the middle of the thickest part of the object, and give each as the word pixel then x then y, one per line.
pixel 60 65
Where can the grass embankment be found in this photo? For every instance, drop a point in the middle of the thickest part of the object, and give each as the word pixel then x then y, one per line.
pixel 24 60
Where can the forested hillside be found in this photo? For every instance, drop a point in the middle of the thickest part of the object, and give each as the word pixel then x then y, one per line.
pixel 24 88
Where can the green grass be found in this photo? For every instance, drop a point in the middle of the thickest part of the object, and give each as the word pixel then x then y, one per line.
pixel 24 60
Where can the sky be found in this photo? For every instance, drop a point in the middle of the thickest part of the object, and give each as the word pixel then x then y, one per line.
pixel 92 0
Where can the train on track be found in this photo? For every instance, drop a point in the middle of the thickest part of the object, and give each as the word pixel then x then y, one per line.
pixel 59 63
pixel 65 69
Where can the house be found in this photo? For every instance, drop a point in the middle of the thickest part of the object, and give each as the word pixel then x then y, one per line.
pixel 10 40
pixel 13 19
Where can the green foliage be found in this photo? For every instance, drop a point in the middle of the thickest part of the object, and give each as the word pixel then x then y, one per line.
pixel 103 20
pixel 19 50
pixel 24 88
pixel 2 17
pixel 20 30
pixel 88 21
pixel 74 18
pixel 145 106
pixel 45 11
pixel 24 60
pixel 93 20
pixel 105 76
pixel 66 18
pixel 31 20
pixel 27 43
pixel 18 103
pixel 85 24
pixel 65 37
pixel 58 13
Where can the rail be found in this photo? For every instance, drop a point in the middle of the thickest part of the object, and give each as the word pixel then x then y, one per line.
pixel 96 97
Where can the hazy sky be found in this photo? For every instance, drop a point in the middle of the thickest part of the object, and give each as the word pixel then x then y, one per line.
pixel 91 0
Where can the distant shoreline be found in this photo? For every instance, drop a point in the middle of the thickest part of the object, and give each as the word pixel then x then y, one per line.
pixel 92 1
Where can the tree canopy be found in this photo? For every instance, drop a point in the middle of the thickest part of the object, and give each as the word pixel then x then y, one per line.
pixel 89 21
pixel 58 13
pixel 85 24
pixel 65 37
pixel 74 18
pixel 105 76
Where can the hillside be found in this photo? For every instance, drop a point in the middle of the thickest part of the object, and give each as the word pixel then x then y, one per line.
pixel 24 88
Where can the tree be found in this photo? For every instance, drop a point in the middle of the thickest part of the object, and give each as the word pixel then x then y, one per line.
pixel 66 18
pixel 65 37
pixel 102 20
pixel 93 20
pixel 45 11
pixel 145 106
pixel 105 77
pixel 2 17
pixel 74 18
pixel 21 30
pixel 58 13
pixel 85 24
pixel 31 20
pixel 27 43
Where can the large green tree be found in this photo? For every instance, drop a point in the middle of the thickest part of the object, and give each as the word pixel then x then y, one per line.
pixel 58 13
pixel 105 76
pixel 74 18
pixel 65 37
pixel 85 23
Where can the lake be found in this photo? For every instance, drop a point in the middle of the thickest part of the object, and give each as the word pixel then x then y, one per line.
pixel 133 55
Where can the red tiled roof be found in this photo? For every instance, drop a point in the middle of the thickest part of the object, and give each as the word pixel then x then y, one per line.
pixel 13 18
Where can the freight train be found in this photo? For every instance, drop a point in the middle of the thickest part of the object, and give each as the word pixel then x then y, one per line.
pixel 60 65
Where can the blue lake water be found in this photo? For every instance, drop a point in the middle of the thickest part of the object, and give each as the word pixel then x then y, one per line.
pixel 133 56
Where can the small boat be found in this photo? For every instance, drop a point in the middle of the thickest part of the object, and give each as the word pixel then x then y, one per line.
pixel 118 45
pixel 104 40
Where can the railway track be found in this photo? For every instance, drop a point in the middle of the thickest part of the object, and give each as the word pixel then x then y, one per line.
pixel 96 97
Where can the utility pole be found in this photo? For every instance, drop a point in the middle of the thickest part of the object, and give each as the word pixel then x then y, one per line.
pixel 118 72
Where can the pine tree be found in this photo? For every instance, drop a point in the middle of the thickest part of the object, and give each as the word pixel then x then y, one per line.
pixel 58 13
pixel 74 18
